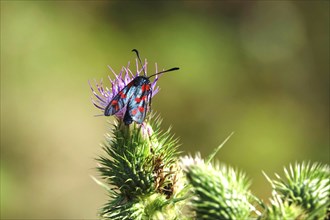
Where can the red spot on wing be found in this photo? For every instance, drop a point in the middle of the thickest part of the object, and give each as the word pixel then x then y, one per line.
pixel 141 109
pixel 122 95
pixel 145 87
pixel 114 103
pixel 134 111
pixel 137 99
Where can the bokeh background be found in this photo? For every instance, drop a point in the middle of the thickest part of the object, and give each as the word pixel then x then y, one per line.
pixel 258 68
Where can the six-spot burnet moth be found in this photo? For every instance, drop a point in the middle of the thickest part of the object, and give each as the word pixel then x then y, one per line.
pixel 136 96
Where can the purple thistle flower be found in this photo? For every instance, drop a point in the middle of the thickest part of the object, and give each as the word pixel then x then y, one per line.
pixel 103 95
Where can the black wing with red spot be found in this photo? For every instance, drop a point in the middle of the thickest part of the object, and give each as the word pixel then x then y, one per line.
pixel 138 105
pixel 120 100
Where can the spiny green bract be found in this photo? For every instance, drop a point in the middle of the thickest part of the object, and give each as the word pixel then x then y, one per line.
pixel 279 209
pixel 140 164
pixel 125 164
pixel 220 191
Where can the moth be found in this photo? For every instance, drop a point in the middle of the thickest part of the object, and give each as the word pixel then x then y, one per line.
pixel 136 96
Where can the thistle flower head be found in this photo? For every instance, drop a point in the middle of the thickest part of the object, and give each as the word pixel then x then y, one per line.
pixel 103 95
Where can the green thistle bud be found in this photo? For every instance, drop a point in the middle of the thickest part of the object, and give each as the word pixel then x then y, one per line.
pixel 220 191
pixel 306 186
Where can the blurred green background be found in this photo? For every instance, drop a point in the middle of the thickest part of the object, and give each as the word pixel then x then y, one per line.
pixel 258 68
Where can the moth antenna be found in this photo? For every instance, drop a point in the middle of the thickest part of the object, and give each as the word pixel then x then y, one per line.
pixel 169 70
pixel 138 56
